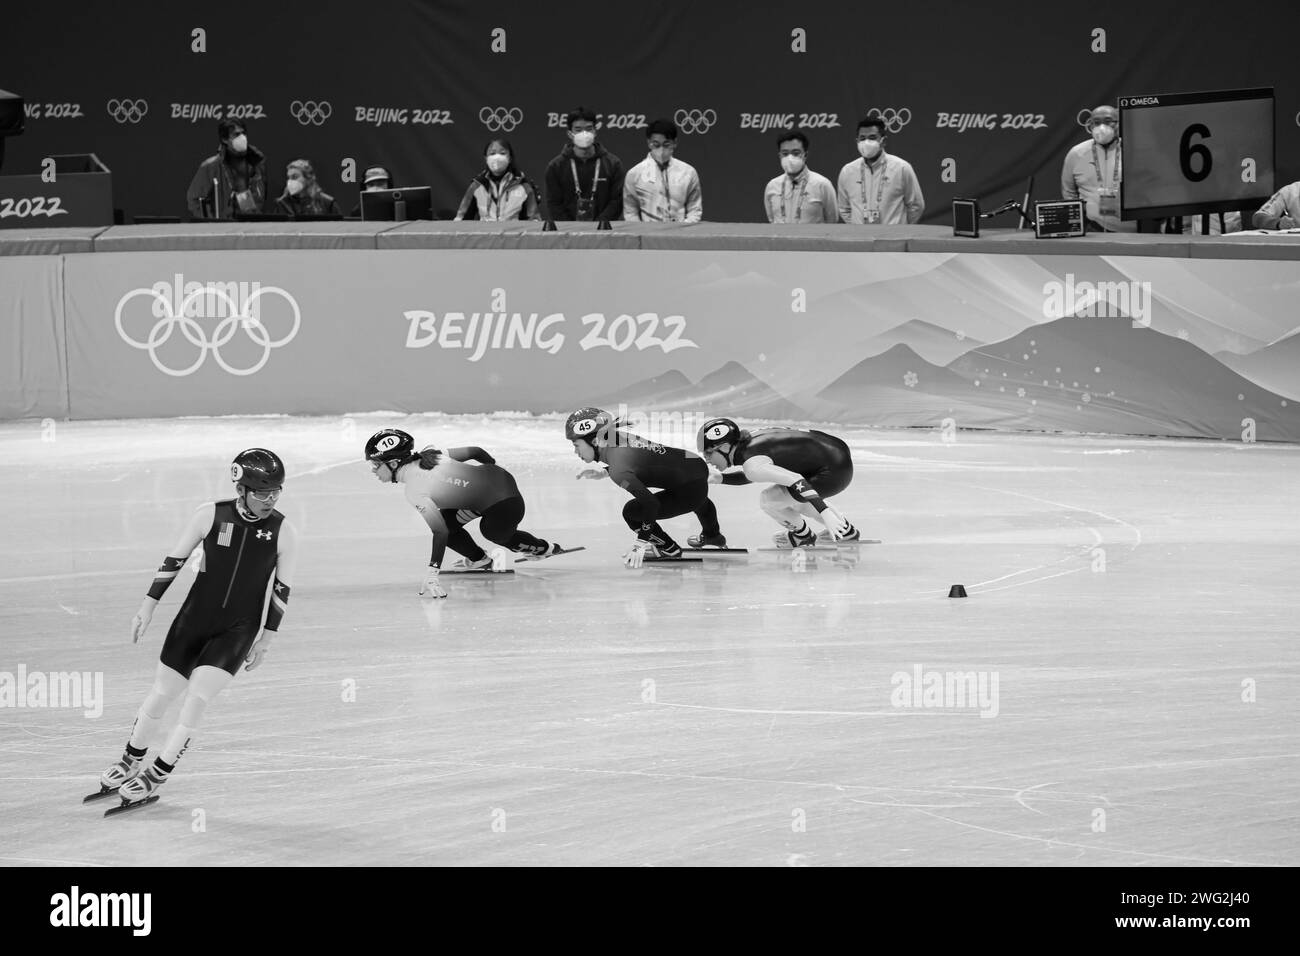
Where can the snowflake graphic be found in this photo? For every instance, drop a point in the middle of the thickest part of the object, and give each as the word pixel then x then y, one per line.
pixel 961 336
pixel 1183 334
pixel 910 380
pixel 1020 393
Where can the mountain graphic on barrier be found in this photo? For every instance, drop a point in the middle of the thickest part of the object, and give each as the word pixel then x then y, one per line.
pixel 731 390
pixel 933 343
pixel 1072 374
pixel 1275 366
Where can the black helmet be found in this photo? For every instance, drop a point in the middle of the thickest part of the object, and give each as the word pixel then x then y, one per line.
pixel 589 423
pixel 390 444
pixel 257 469
pixel 715 432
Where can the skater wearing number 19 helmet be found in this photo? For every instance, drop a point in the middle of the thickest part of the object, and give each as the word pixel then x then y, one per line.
pixel 804 467
pixel 449 493
pixel 246 543
pixel 636 465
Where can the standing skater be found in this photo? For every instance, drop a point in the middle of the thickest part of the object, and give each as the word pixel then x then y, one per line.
pixel 804 467
pixel 449 493
pixel 246 542
pixel 636 465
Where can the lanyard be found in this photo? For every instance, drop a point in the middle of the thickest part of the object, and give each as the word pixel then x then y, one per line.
pixel 595 179
pixel 496 192
pixel 668 198
pixel 798 204
pixel 1115 170
pixel 880 184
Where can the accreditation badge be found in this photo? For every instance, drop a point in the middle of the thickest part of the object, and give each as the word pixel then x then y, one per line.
pixel 1108 203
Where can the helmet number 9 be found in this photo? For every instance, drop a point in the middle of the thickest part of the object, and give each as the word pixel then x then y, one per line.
pixel 236 472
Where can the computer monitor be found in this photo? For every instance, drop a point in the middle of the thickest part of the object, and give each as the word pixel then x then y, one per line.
pixel 397 205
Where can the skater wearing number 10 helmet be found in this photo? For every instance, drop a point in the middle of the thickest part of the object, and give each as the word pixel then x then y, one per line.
pixel 636 465
pixel 246 543
pixel 449 492
pixel 804 467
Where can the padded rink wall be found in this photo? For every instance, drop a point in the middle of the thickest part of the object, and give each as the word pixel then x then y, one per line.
pixel 1123 344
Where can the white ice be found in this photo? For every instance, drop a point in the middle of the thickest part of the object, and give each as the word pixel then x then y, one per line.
pixel 1135 601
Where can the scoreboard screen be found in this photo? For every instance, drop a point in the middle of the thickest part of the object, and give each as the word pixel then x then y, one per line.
pixel 1189 153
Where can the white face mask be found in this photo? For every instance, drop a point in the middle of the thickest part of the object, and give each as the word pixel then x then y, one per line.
pixel 584 139
pixel 497 163
pixel 792 164
pixel 869 148
pixel 239 144
pixel 661 156
pixel 1103 133
pixel 294 187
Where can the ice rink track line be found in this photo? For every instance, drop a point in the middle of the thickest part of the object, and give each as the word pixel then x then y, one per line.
pixel 1096 847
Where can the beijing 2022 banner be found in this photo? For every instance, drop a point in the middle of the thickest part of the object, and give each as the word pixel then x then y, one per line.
pixel 1147 346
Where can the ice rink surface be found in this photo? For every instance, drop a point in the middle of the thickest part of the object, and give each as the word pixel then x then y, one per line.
pixel 1132 616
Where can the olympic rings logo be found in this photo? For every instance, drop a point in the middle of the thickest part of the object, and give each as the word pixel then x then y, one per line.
pixel 1297 119
pixel 1084 117
pixel 695 121
pixel 500 118
pixel 193 332
pixel 127 111
pixel 894 119
pixel 311 113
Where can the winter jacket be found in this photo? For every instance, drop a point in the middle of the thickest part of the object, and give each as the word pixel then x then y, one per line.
pixel 199 196
pixel 301 205
pixel 514 197
pixel 668 194
pixel 562 192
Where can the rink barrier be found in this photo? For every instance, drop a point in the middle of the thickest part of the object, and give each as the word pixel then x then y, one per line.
pixel 901 327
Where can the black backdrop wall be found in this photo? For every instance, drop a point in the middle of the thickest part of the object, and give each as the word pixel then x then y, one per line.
pixel 419 87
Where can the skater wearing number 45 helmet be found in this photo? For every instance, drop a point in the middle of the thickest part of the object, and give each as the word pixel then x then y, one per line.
pixel 246 542
pixel 636 465
pixel 804 467
pixel 449 493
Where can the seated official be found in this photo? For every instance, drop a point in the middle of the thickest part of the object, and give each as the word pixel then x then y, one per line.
pixel 500 192
pixel 662 188
pixel 1282 211
pixel 375 178
pixel 878 189
pixel 1092 171
pixel 798 194
pixel 233 181
pixel 585 182
pixel 302 195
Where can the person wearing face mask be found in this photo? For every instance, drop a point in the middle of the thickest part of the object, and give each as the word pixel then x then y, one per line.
pixel 661 188
pixel 878 189
pixel 500 192
pixel 302 195
pixel 232 181
pixel 585 182
pixel 798 194
pixel 374 178
pixel 1092 172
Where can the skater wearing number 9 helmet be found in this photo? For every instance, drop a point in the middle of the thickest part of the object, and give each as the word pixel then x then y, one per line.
pixel 246 543
pixel 636 465
pixel 449 492
pixel 804 468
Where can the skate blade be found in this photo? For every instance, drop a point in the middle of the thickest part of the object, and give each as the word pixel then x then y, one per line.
pixel 822 543
pixel 581 547
pixel 715 550
pixel 125 806
pixel 477 571
pixel 672 560
pixel 104 792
